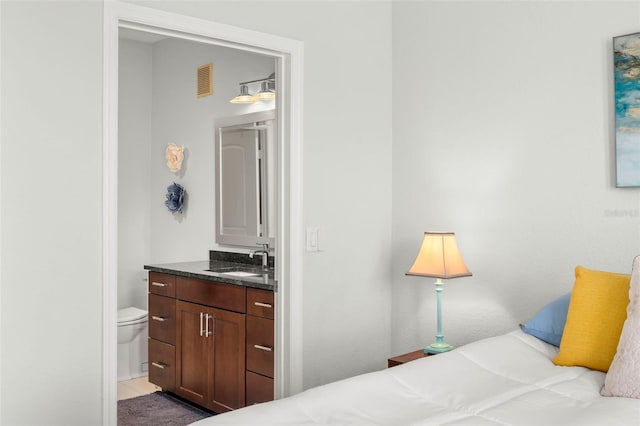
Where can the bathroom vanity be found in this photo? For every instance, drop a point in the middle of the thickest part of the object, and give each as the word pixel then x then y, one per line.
pixel 211 332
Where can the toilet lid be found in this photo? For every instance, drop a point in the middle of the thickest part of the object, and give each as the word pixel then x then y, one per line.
pixel 130 314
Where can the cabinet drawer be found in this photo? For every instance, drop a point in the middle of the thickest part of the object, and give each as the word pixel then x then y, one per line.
pixel 260 345
pixel 260 303
pixel 218 295
pixel 162 318
pixel 259 388
pixel 162 284
pixel 162 365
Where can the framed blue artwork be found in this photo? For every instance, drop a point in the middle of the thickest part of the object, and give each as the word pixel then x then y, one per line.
pixel 626 65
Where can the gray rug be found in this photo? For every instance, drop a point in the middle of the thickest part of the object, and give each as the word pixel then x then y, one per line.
pixel 158 409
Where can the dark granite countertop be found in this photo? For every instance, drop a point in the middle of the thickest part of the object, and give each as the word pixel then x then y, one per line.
pixel 201 270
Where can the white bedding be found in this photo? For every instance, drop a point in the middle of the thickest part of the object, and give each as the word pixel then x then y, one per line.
pixel 505 380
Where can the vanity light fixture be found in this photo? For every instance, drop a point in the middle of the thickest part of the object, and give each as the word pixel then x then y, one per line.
pixel 244 97
pixel 266 93
pixel 439 258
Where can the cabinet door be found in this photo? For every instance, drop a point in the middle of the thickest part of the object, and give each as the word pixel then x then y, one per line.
pixel 192 349
pixel 210 356
pixel 228 365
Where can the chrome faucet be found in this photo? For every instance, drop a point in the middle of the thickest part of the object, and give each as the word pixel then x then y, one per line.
pixel 264 252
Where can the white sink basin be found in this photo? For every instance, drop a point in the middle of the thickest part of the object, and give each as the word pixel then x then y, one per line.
pixel 241 274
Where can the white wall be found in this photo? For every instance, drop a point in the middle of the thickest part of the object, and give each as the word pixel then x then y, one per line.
pixel 51 213
pixel 134 171
pixel 503 133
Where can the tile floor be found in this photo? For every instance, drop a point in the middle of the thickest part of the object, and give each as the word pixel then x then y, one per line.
pixel 135 387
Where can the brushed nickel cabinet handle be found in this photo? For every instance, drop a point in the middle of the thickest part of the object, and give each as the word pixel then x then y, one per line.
pixel 156 318
pixel 263 348
pixel 158 284
pixel 207 333
pixel 262 305
pixel 201 317
pixel 158 365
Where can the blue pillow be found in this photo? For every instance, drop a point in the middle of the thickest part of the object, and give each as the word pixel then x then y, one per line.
pixel 548 323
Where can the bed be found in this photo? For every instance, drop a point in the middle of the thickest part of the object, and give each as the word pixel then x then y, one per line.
pixel 514 379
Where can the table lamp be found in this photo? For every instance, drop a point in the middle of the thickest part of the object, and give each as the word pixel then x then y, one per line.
pixel 439 258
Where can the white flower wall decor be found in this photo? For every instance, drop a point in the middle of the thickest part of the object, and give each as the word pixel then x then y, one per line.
pixel 175 155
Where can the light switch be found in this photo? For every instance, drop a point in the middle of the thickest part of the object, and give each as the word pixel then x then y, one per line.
pixel 312 239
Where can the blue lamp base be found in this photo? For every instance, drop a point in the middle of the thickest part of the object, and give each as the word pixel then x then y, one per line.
pixel 437 348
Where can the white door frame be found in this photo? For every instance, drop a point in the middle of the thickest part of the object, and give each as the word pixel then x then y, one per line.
pixel 289 59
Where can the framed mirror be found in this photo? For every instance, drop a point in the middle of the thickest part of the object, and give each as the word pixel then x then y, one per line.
pixel 245 155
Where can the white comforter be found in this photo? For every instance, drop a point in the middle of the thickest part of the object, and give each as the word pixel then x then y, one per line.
pixel 505 380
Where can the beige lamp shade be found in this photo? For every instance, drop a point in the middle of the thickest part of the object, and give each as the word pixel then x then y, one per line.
pixel 439 257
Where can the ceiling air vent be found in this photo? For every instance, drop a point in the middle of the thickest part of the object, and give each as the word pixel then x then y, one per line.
pixel 205 80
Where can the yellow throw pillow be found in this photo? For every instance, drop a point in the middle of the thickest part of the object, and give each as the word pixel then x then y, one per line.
pixel 597 311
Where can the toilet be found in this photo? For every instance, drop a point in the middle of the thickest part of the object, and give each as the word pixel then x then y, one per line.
pixel 132 343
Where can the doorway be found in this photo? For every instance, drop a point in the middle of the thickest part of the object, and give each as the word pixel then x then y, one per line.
pixel 288 57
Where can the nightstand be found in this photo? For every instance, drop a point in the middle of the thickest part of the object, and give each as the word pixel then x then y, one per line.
pixel 411 356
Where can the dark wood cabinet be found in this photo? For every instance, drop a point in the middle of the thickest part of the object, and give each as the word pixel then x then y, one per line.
pixel 162 369
pixel 162 284
pixel 260 346
pixel 210 357
pixel 210 293
pixel 259 388
pixel 211 343
pixel 162 330
pixel 192 355
pixel 408 357
pixel 162 318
